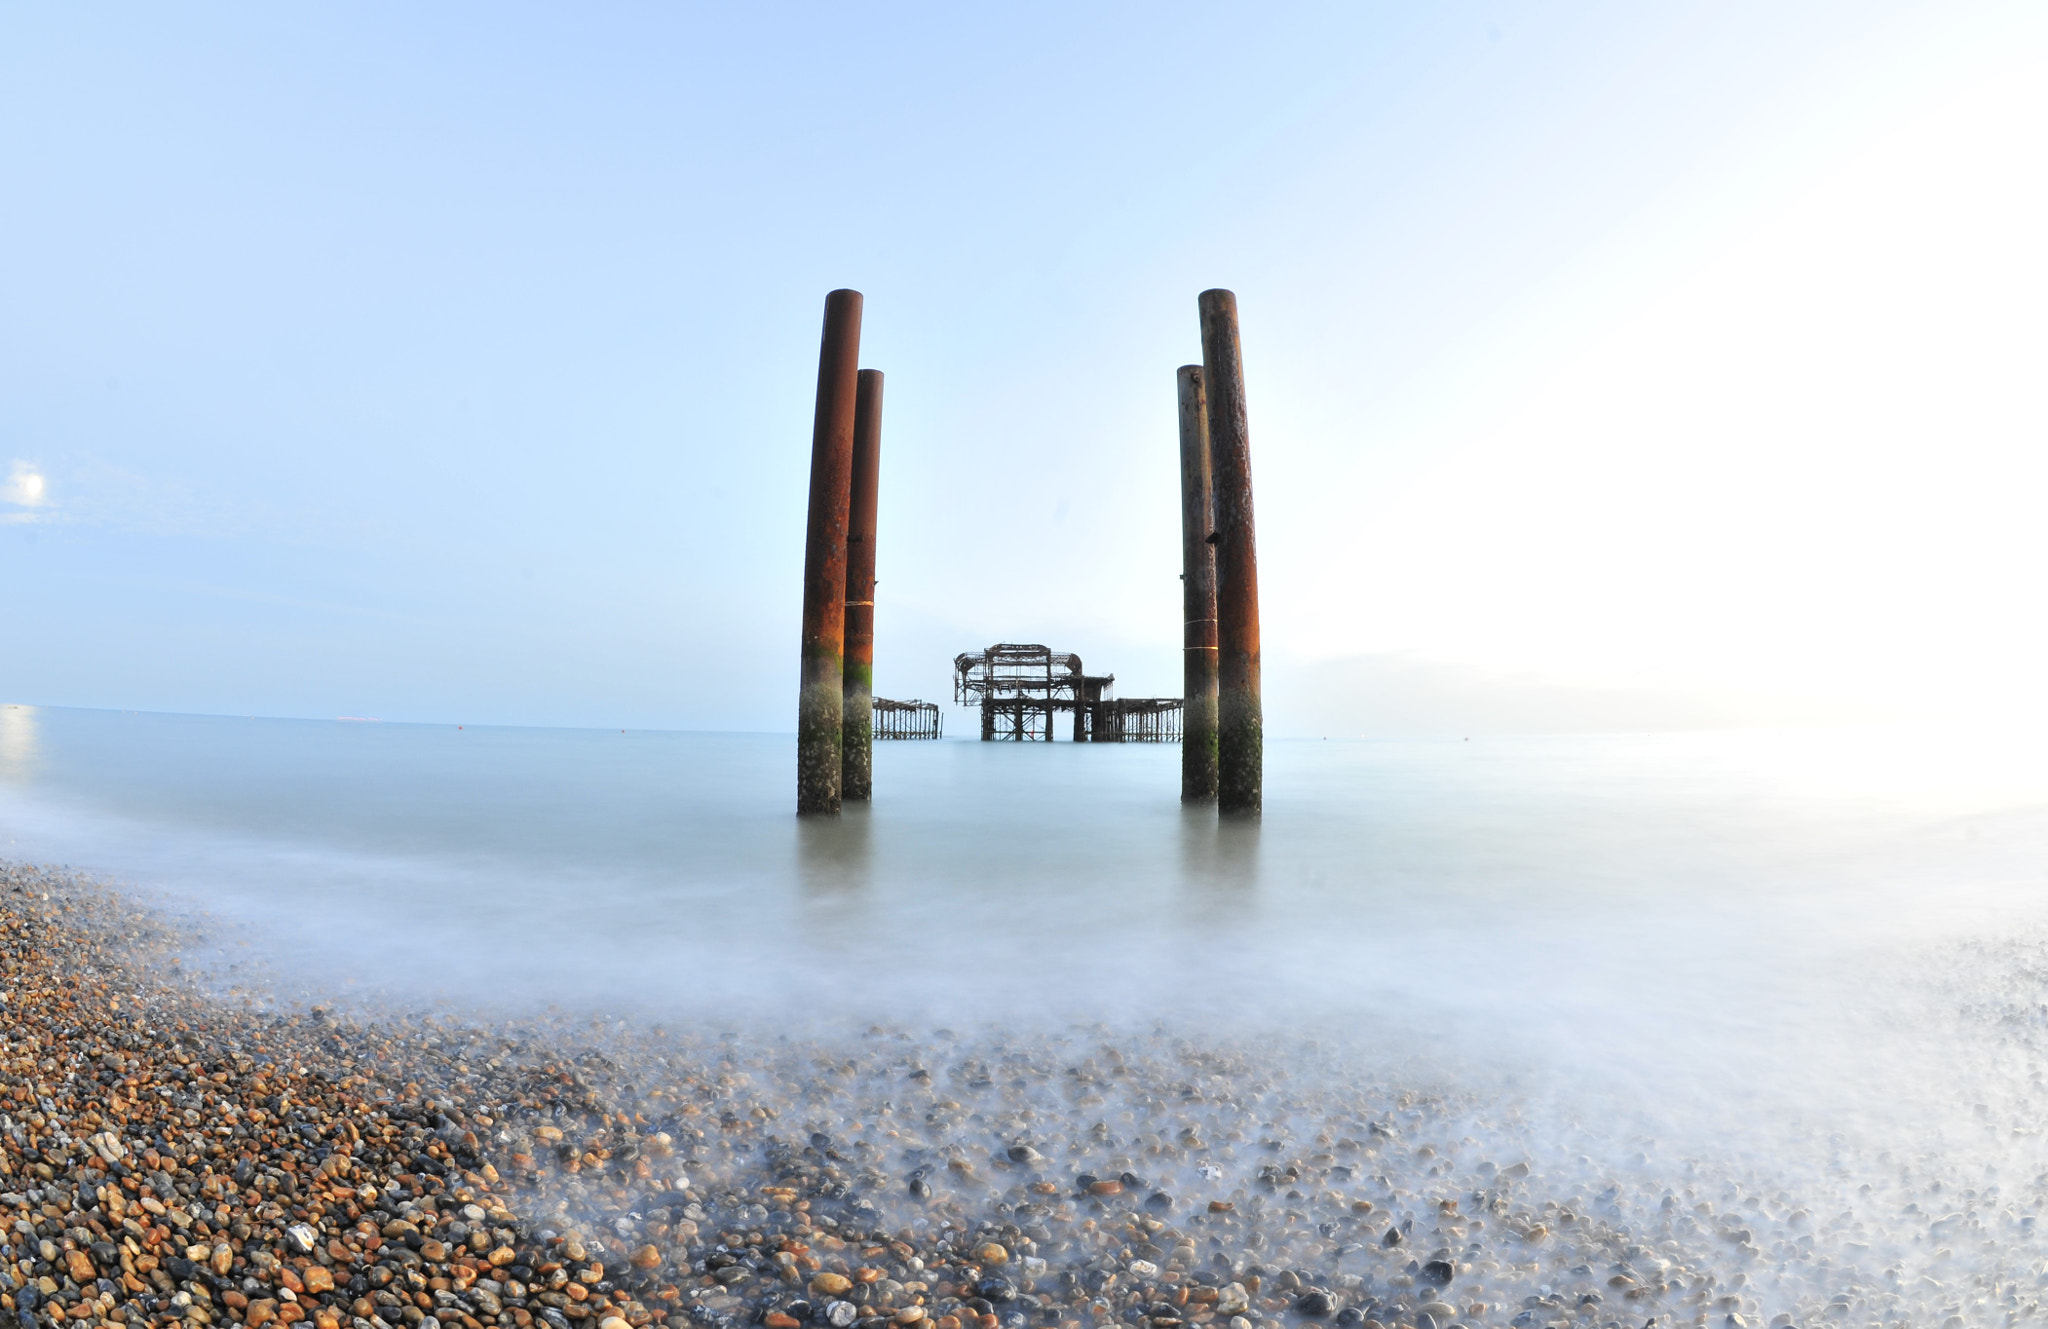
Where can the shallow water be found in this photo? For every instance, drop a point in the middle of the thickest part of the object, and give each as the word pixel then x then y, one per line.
pixel 1736 962
pixel 1580 892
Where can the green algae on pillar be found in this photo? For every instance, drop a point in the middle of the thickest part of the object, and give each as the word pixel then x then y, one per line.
pixel 858 751
pixel 1198 595
pixel 1240 717
pixel 820 703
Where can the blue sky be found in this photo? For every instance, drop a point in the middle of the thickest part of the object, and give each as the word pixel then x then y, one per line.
pixel 1607 365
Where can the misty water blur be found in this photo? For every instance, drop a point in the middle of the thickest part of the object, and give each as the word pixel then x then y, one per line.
pixel 1636 905
pixel 1795 953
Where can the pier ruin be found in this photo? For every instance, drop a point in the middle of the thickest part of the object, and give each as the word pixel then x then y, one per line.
pixel 907 719
pixel 1021 688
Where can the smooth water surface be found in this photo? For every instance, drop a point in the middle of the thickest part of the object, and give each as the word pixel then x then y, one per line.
pixel 1712 928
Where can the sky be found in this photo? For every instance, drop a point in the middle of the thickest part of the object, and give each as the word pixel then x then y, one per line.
pixel 1608 366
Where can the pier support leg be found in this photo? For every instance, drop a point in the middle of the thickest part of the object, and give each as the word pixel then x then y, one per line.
pixel 820 703
pixel 1240 734
pixel 1198 595
pixel 857 753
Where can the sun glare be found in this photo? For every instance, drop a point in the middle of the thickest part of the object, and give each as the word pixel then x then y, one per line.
pixel 25 486
pixel 1796 462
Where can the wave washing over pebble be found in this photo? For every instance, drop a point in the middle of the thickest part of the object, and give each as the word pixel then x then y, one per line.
pixel 1819 1103
pixel 392 1171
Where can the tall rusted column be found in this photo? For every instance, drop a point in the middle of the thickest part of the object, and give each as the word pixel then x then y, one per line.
pixel 1197 594
pixel 1240 718
pixel 857 756
pixel 819 709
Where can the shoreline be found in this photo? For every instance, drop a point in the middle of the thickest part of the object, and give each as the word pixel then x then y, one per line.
pixel 171 1153
pixel 216 1164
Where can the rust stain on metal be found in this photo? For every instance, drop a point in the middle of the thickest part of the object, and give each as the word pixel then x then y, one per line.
pixel 857 750
pixel 1240 738
pixel 1198 593
pixel 820 703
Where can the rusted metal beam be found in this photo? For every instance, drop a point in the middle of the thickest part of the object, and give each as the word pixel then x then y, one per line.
pixel 1198 594
pixel 857 754
pixel 1240 718
pixel 820 703
pixel 907 719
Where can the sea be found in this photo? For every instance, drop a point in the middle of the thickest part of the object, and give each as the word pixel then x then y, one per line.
pixel 1808 958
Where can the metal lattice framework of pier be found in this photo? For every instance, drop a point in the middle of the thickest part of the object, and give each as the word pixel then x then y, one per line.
pixel 1021 687
pixel 907 719
pixel 1135 720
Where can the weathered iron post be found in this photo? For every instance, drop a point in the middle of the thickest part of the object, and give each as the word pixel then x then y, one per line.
pixel 1080 704
pixel 820 706
pixel 857 756
pixel 1198 595
pixel 1087 704
pixel 1240 720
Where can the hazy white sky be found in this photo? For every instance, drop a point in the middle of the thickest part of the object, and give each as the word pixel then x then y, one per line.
pixel 1611 365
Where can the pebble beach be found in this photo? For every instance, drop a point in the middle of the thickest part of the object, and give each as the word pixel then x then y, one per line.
pixel 171 1151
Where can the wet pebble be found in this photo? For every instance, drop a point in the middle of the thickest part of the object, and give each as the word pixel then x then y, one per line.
pixel 278 1165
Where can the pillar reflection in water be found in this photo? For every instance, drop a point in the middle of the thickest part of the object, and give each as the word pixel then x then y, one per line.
pixel 1219 862
pixel 835 858
pixel 835 914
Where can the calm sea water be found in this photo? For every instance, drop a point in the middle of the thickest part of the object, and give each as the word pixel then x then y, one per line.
pixel 1715 932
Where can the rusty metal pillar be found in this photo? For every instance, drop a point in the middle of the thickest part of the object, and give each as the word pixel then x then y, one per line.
pixel 1240 717
pixel 1198 594
pixel 858 754
pixel 820 703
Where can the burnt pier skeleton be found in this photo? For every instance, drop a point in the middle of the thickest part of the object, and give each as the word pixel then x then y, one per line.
pixel 1021 688
pixel 907 719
